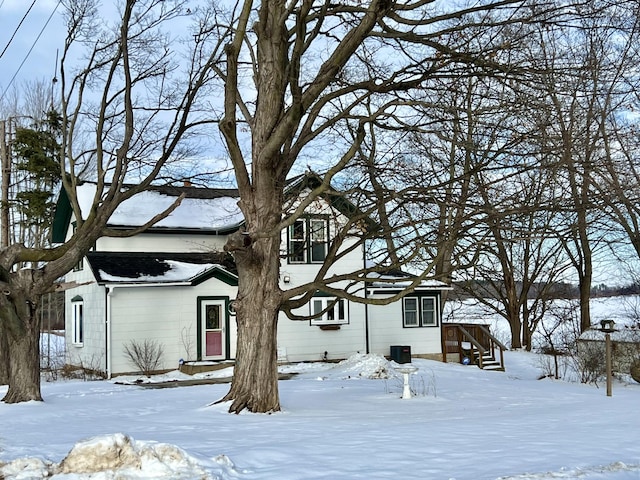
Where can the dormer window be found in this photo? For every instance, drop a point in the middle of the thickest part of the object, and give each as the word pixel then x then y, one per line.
pixel 308 240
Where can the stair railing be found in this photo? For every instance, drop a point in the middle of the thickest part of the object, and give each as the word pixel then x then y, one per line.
pixel 494 343
pixel 474 342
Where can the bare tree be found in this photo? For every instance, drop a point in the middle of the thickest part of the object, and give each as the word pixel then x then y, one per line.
pixel 125 114
pixel 482 171
pixel 617 179
pixel 521 241
pixel 583 86
pixel 320 68
pixel 29 174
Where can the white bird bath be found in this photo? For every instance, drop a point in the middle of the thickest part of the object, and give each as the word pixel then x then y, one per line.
pixel 405 370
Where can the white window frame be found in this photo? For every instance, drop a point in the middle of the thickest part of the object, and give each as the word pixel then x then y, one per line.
pixel 318 242
pixel 306 243
pixel 419 310
pixel 297 247
pixel 78 267
pixel 428 311
pixel 338 314
pixel 77 323
pixel 410 311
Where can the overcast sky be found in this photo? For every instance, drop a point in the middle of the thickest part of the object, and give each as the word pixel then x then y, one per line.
pixel 31 32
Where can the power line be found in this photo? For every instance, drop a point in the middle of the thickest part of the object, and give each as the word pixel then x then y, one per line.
pixel 17 28
pixel 30 50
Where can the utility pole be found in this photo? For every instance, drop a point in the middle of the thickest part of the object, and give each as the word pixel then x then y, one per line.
pixel 5 161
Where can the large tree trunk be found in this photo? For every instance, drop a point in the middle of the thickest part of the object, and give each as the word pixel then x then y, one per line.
pixel 515 324
pixel 255 376
pixel 24 368
pixel 526 326
pixel 20 322
pixel 586 275
pixel 4 357
pixel 585 297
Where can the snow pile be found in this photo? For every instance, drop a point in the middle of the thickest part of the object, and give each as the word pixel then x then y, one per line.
pixel 25 469
pixel 172 376
pixel 519 428
pixel 221 373
pixel 365 366
pixel 118 456
pixel 586 473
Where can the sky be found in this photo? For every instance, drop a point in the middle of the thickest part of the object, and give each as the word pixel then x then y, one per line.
pixel 31 35
pixel 338 421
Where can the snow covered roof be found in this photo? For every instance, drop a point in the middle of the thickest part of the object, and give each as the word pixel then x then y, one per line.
pixel 622 335
pixel 202 210
pixel 397 280
pixel 159 268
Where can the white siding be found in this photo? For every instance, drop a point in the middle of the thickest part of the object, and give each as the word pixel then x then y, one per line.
pixel 162 242
pixel 305 342
pixel 167 315
pixel 386 329
pixel 91 355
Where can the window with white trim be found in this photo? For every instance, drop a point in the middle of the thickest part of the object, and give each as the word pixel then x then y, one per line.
pixel 335 311
pixel 308 240
pixel 77 326
pixel 318 229
pixel 419 312
pixel 428 318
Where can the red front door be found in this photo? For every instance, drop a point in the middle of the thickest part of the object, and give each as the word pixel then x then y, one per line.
pixel 213 338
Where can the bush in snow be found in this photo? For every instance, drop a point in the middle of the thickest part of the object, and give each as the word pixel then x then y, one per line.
pixel 145 355
pixel 84 368
pixel 589 362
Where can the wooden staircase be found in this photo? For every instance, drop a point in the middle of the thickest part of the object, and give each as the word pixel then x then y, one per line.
pixel 472 344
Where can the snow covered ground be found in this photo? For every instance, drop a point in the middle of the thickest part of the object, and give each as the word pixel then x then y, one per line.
pixel 339 421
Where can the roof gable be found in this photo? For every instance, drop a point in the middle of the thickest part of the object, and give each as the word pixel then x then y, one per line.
pixel 335 199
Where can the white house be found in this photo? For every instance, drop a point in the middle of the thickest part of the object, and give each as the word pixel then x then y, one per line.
pixel 174 285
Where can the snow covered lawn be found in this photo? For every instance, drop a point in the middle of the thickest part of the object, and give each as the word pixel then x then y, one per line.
pixel 343 421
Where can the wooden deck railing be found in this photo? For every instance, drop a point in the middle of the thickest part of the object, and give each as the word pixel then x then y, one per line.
pixel 495 343
pixel 483 342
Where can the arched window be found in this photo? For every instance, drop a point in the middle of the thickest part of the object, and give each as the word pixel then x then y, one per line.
pixel 77 318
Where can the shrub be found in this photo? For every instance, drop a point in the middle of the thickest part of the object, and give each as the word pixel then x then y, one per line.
pixel 589 362
pixel 84 368
pixel 145 355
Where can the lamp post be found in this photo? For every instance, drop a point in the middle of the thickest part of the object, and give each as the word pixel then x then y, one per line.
pixel 607 326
